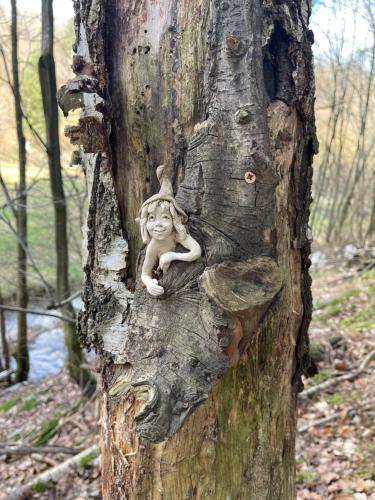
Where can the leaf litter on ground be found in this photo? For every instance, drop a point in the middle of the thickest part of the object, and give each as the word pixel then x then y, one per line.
pixel 335 459
pixel 49 415
pixel 336 448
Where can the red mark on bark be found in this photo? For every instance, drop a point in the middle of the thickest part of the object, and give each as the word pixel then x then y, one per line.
pixel 250 177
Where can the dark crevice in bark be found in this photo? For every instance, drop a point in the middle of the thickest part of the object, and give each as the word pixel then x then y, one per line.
pixel 278 66
pixel 116 107
pixel 289 78
pixel 304 364
pixel 89 313
pixel 269 72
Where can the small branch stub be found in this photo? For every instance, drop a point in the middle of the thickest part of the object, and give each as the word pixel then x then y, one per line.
pixel 250 177
pixel 235 48
pixel 245 114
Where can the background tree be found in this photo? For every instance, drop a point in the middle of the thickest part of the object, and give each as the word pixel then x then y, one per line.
pixel 344 174
pixel 41 257
pixel 40 261
pixel 4 342
pixel 22 296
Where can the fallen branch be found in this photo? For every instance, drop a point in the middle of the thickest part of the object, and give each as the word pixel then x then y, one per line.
pixel 43 480
pixel 38 313
pixel 325 420
pixel 318 423
pixel 6 374
pixel 44 459
pixel 10 449
pixel 65 301
pixel 336 380
pixel 366 361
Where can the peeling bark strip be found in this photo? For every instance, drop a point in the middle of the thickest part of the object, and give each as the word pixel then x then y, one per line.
pixel 215 90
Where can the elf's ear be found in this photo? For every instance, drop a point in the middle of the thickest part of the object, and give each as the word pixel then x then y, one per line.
pixel 144 233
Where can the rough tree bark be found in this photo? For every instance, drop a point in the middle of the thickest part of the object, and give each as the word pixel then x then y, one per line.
pixel 75 358
pixel 199 386
pixel 22 295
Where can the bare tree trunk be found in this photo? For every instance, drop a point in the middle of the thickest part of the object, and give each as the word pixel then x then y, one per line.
pixel 22 295
pixel 47 78
pixel 199 386
pixel 360 157
pixel 371 228
pixel 4 342
pixel 324 167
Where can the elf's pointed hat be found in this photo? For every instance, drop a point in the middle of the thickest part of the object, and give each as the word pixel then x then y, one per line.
pixel 165 193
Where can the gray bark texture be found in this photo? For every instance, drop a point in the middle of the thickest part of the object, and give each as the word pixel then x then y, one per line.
pixel 200 385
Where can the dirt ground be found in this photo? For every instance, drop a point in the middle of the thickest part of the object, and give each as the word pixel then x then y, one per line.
pixel 336 438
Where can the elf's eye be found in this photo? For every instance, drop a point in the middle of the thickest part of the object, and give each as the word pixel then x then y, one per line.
pixel 151 217
pixel 166 217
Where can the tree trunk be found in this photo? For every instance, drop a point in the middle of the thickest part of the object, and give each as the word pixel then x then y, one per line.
pixel 4 342
pixel 371 228
pixel 47 77
pixel 22 295
pixel 199 386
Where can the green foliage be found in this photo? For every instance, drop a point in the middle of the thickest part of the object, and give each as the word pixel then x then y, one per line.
pixel 369 274
pixel 31 94
pixel 67 35
pixel 85 461
pixel 366 471
pixel 39 487
pixel 334 306
pixel 305 475
pixel 28 404
pixel 40 228
pixel 46 432
pixel 316 350
pixel 361 319
pixel 336 398
pixel 7 405
pixel 321 376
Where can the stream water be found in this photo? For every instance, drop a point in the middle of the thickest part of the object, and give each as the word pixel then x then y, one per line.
pixel 46 347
